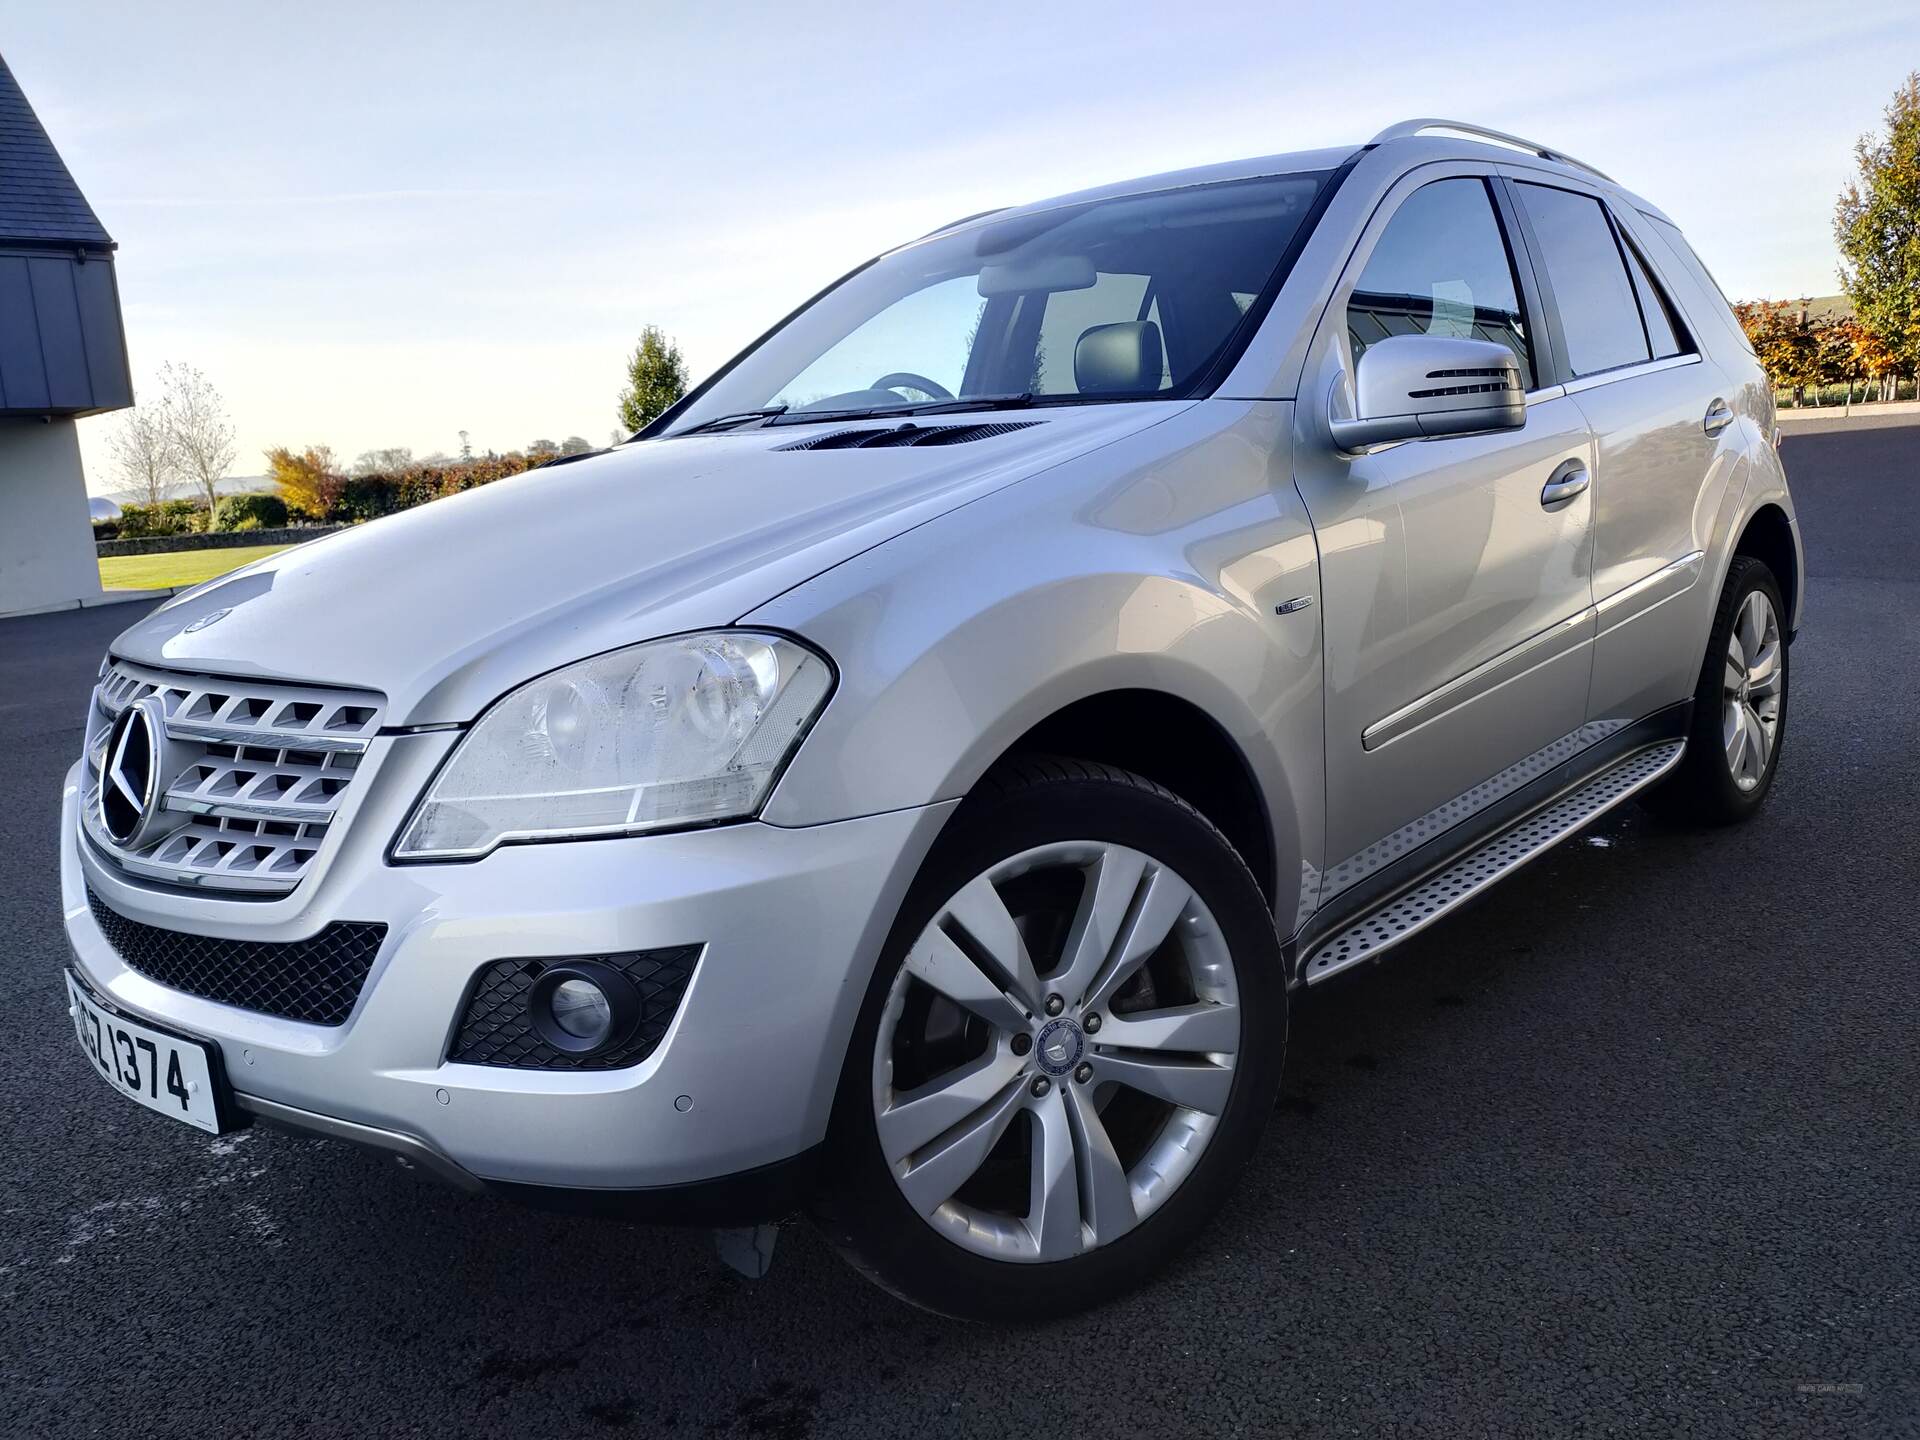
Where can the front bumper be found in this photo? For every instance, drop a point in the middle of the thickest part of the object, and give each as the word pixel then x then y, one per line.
pixel 790 921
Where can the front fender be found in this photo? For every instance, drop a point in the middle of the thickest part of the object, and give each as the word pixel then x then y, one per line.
pixel 1157 572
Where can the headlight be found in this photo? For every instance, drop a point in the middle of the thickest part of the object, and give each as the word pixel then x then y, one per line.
pixel 674 732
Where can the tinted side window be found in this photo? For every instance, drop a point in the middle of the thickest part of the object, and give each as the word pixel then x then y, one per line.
pixel 1590 285
pixel 1441 267
pixel 1664 331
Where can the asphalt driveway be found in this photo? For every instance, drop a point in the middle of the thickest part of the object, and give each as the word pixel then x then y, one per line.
pixel 1629 1144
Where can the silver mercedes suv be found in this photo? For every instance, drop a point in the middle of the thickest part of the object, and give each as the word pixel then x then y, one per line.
pixel 910 781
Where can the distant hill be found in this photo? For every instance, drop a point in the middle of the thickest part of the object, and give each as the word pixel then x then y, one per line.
pixel 1818 306
pixel 230 485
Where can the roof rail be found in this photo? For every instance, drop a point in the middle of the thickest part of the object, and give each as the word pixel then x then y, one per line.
pixel 1406 129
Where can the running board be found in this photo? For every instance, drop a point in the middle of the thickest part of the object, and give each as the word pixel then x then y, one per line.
pixel 1411 911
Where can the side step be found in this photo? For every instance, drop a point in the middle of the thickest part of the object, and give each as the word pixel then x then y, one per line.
pixel 1412 910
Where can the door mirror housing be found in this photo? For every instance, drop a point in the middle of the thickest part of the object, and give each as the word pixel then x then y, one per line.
pixel 1421 387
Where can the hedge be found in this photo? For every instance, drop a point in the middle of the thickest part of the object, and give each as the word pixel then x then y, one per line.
pixel 250 512
pixel 169 517
pixel 368 497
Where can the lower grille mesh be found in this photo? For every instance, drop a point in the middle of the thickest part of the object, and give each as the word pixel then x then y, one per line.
pixel 494 1029
pixel 315 980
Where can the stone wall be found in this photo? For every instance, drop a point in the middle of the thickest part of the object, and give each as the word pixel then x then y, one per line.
pixel 219 540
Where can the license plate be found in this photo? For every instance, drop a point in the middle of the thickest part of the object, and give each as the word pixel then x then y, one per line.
pixel 164 1072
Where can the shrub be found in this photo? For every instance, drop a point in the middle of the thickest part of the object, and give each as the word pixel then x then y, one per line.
pixel 169 517
pixel 106 529
pixel 250 512
pixel 313 491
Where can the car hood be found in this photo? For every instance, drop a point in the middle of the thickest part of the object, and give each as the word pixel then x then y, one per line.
pixel 444 607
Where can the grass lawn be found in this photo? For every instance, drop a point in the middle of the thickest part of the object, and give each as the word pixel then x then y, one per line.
pixel 182 567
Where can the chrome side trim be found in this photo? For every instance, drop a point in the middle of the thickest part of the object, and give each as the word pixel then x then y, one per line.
pixel 1630 372
pixel 410 1150
pixel 1413 910
pixel 1651 590
pixel 1549 644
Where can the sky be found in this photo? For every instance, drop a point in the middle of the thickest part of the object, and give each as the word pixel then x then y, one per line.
pixel 382 224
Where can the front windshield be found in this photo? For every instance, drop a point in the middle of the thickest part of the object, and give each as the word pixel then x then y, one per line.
pixel 1133 298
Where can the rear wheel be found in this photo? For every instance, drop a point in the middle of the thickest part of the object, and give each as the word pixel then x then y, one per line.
pixel 1066 1055
pixel 1739 706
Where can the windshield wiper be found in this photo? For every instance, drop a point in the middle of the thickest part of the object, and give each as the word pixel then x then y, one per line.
pixel 739 418
pixel 927 407
pixel 970 402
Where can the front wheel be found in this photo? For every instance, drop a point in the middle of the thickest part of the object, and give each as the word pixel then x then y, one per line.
pixel 1739 706
pixel 1066 1054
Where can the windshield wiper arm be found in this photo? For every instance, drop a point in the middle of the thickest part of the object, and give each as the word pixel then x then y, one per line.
pixel 738 418
pixel 971 402
pixel 928 407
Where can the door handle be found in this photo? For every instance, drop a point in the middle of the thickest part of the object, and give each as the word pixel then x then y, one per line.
pixel 1569 480
pixel 1719 416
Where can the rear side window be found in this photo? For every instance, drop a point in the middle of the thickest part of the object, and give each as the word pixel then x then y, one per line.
pixel 1595 298
pixel 1441 267
pixel 1664 332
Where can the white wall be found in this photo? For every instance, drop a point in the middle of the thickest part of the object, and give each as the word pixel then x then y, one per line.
pixel 47 557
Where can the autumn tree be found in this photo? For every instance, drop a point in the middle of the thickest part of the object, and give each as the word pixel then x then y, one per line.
pixel 144 458
pixel 656 378
pixel 309 481
pixel 197 425
pixel 1877 224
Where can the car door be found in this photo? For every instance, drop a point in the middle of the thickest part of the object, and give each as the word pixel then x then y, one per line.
pixel 1668 458
pixel 1456 602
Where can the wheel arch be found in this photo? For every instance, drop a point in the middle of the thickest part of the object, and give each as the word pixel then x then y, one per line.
pixel 1175 743
pixel 1768 537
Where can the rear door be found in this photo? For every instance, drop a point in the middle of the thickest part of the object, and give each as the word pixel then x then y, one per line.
pixel 1457 606
pixel 1667 459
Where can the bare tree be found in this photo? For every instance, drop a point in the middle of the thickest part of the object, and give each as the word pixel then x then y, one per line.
pixel 196 419
pixel 144 458
pixel 383 462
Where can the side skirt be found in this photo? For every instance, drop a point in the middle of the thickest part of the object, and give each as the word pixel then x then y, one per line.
pixel 1450 870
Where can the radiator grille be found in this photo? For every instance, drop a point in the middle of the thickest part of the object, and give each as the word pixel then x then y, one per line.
pixel 253 774
pixel 494 1029
pixel 315 980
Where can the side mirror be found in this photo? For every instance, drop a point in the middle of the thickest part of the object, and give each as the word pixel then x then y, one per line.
pixel 1420 387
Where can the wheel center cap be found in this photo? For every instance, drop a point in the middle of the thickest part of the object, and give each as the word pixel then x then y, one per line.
pixel 1059 1046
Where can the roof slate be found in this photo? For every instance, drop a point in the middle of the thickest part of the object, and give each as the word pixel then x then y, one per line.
pixel 39 200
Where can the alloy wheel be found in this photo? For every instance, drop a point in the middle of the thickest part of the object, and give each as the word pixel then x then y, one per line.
pixel 1755 669
pixel 1056 1051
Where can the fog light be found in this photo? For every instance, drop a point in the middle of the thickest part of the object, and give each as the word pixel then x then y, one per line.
pixel 580 1008
pixel 583 1007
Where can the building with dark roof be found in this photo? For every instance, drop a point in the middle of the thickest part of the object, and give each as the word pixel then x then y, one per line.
pixel 63 355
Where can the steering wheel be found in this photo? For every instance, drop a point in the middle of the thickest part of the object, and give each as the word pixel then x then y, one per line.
pixel 906 379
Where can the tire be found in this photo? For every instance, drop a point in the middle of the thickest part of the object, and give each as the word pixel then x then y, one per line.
pixel 1711 786
pixel 1027 831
